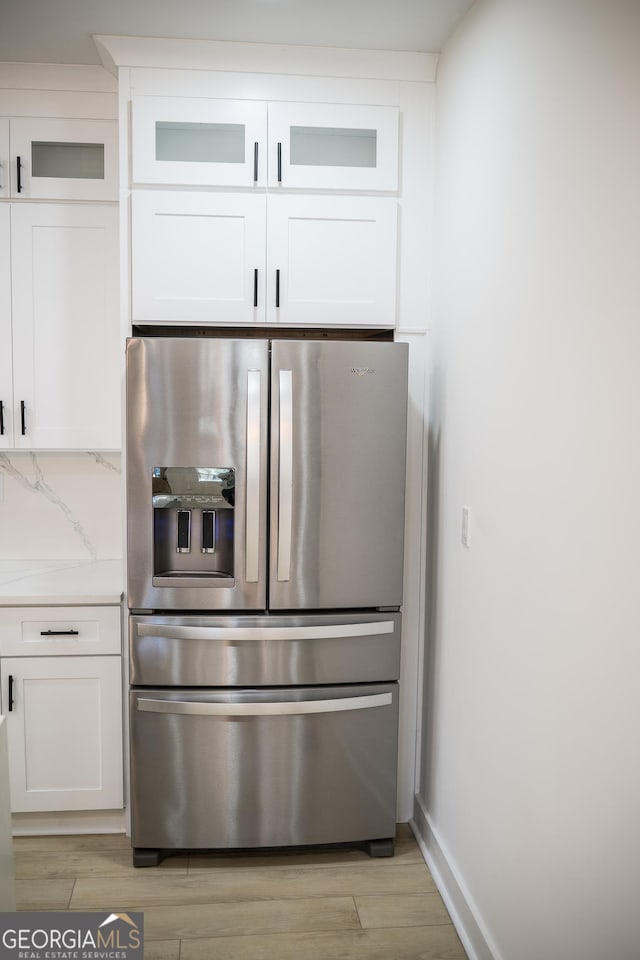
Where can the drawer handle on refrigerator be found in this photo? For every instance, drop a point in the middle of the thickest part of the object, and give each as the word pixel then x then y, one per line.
pixel 203 709
pixel 234 634
pixel 252 512
pixel 285 475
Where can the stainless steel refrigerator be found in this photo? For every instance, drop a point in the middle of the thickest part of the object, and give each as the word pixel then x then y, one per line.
pixel 265 519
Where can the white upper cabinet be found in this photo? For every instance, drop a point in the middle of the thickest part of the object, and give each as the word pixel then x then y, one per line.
pixel 67 354
pixel 199 142
pixel 4 158
pixel 197 256
pixel 208 142
pixel 6 364
pixel 52 159
pixel 290 229
pixel 331 260
pixel 202 258
pixel 333 146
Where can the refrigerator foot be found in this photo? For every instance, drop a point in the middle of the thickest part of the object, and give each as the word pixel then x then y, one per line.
pixel 146 858
pixel 379 848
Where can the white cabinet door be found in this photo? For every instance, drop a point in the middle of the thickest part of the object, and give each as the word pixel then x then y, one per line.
pixel 64 159
pixel 332 260
pixel 6 360
pixel 64 725
pixel 333 146
pixel 211 142
pixel 7 869
pixel 66 338
pixel 197 257
pixel 208 142
pixel 4 158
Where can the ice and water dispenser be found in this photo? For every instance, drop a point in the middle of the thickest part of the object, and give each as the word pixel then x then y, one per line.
pixel 192 524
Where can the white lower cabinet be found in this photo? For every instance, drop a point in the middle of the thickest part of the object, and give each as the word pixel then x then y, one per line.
pixel 64 713
pixel 239 258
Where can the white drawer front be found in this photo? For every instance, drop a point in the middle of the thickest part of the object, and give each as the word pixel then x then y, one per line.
pixel 59 631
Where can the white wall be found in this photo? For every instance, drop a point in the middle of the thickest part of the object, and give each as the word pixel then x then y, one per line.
pixel 530 789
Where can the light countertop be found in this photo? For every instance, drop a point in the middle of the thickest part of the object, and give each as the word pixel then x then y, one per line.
pixel 53 582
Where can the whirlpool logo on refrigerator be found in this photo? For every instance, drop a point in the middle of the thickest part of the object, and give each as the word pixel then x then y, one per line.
pixel 362 371
pixel 68 935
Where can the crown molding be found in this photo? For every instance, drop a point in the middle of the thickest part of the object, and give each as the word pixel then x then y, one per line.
pixel 158 52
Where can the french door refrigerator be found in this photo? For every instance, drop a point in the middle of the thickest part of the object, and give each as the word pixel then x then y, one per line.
pixel 265 518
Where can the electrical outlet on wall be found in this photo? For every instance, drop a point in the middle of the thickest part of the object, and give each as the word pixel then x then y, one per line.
pixel 466 520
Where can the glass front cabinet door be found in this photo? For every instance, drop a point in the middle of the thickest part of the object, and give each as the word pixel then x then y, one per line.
pixel 199 142
pixel 52 159
pixel 243 143
pixel 333 146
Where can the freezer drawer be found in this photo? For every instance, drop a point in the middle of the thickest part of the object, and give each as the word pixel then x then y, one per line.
pixel 192 651
pixel 220 769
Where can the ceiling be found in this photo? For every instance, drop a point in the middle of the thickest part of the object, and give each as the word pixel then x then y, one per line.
pixel 60 31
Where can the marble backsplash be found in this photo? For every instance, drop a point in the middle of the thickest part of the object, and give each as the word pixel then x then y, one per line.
pixel 61 506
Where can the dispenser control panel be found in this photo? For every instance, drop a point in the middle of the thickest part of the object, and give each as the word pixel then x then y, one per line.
pixel 193 521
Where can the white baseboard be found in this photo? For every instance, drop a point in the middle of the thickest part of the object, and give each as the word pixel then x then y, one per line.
pixel 457 901
pixel 68 822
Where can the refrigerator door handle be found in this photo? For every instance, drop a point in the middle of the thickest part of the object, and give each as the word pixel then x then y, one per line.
pixel 279 709
pixel 252 512
pixel 285 474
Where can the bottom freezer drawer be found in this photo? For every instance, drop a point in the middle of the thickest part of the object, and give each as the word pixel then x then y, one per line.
pixel 263 768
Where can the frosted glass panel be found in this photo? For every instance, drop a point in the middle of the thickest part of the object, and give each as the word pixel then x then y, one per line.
pixel 200 142
pixel 332 147
pixel 78 161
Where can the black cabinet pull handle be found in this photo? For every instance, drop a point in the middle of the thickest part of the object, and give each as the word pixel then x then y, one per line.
pixel 19 174
pixel 11 700
pixel 23 417
pixel 255 162
pixel 277 288
pixel 59 633
pixel 1 418
pixel 279 163
pixel 255 287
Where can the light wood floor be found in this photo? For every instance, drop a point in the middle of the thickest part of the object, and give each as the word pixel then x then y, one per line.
pixel 312 905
